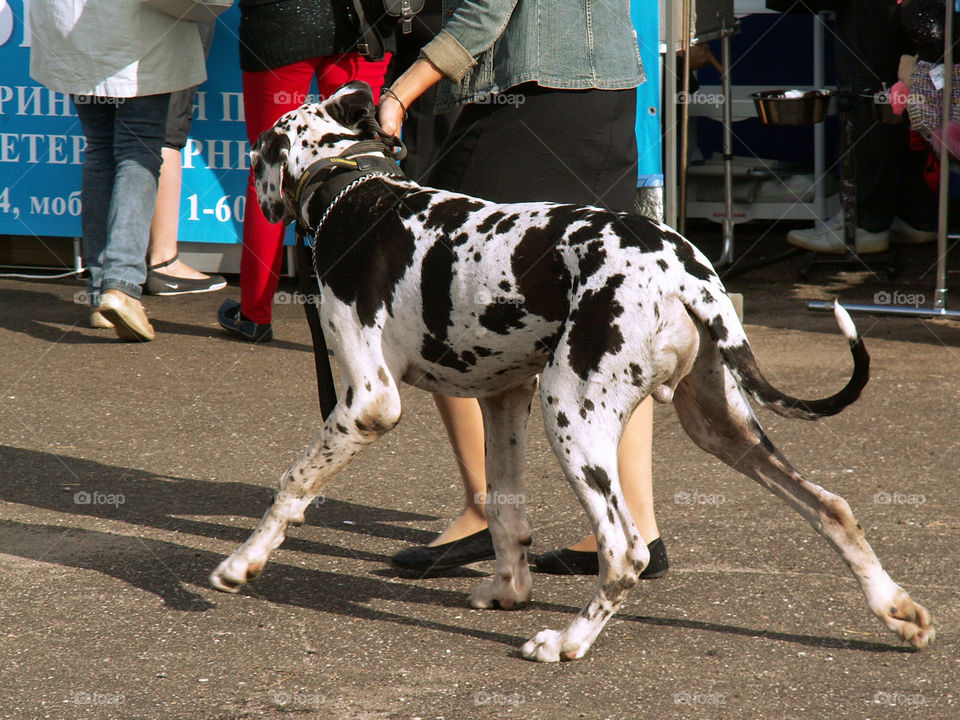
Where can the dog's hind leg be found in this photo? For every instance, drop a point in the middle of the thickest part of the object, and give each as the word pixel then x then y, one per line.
pixel 505 418
pixel 584 424
pixel 369 407
pixel 717 417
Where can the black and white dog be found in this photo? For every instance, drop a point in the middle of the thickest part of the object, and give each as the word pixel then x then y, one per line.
pixel 469 298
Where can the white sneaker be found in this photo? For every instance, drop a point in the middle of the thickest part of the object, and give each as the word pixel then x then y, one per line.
pixel 829 239
pixel 902 232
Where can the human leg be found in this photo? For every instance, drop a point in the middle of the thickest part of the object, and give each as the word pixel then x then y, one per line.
pixel 138 138
pixel 96 185
pixel 267 95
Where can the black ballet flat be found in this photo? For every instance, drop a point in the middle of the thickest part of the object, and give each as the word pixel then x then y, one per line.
pixel 577 562
pixel 466 550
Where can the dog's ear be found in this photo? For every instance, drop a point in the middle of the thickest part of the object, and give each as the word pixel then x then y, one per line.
pixel 268 160
pixel 352 104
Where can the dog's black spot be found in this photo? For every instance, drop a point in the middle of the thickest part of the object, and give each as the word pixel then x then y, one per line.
pixel 363 249
pixel 348 398
pixel 489 221
pixel 690 263
pixel 506 225
pixel 562 420
pixel 369 387
pixel 594 333
pixel 504 285
pixel 637 231
pixel 331 139
pixel 706 296
pixel 438 352
pixel 502 317
pixel 588 404
pixel 636 374
pixel 596 477
pixel 662 264
pixel 717 328
pixel 451 214
pixel 382 376
pixel 469 358
pixel 542 276
pixel 436 278
pixel 484 352
pixel 477 257
pixel 341 429
pixel 417 201
pixel 592 259
pixel 583 413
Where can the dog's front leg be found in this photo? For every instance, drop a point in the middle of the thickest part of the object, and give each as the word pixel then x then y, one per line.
pixel 505 429
pixel 369 407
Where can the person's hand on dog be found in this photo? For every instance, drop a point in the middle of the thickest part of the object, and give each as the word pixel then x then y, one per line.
pixel 394 101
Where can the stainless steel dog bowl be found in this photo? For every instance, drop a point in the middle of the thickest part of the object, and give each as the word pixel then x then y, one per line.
pixel 777 107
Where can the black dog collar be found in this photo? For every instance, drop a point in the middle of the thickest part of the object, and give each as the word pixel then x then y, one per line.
pixel 328 177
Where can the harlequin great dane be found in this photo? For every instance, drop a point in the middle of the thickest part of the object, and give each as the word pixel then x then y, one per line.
pixel 470 298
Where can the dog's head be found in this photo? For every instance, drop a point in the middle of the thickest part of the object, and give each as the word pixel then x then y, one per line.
pixel 301 137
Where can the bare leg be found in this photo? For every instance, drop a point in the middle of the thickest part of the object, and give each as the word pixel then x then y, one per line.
pixel 464 424
pixel 635 463
pixel 166 219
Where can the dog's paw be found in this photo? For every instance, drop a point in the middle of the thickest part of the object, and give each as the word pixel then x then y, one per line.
pixel 552 646
pixel 506 594
pixel 908 619
pixel 233 573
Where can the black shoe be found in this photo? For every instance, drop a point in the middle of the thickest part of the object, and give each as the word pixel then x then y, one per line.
pixel 161 284
pixel 464 551
pixel 236 323
pixel 576 562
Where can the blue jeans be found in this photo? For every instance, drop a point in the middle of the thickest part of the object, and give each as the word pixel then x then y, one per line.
pixel 118 188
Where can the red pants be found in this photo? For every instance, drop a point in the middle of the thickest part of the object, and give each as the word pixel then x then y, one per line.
pixel 267 95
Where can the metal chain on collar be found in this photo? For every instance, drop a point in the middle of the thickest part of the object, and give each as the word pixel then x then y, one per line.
pixel 311 239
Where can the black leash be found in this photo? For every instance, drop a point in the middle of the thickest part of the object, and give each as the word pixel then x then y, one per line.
pixel 342 171
pixel 326 389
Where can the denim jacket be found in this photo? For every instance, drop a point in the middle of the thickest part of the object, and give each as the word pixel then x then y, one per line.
pixel 489 46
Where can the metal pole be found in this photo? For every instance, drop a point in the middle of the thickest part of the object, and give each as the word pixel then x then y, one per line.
pixel 670 117
pixel 940 293
pixel 726 256
pixel 684 118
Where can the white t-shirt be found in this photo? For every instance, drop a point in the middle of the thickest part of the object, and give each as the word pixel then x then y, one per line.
pixel 114 48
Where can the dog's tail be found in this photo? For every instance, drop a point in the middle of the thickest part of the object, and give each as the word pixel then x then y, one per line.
pixel 725 329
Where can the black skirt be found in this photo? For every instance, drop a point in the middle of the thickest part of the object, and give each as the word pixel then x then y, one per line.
pixel 543 144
